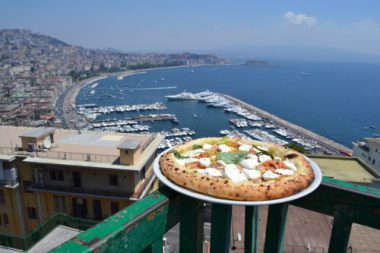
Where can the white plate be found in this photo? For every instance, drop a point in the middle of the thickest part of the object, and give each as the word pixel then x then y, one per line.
pixel 314 185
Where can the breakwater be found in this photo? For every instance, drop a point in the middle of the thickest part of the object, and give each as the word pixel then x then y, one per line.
pixel 321 140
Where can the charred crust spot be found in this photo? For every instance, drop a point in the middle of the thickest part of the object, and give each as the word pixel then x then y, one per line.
pixel 176 169
pixel 211 183
pixel 226 182
pixel 237 194
pixel 290 156
pixel 202 177
pixel 184 171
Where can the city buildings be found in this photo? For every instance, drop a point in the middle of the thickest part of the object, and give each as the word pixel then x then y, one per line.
pixel 368 149
pixel 35 69
pixel 92 175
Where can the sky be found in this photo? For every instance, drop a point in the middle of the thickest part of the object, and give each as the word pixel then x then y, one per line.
pixel 308 28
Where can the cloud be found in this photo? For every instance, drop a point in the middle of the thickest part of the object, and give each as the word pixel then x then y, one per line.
pixel 300 19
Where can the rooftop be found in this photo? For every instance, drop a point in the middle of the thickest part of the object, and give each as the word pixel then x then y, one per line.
pixel 73 145
pixel 38 132
pixel 373 140
pixel 345 169
pixel 130 144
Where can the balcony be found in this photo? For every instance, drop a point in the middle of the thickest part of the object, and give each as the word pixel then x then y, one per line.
pixel 87 191
pixel 141 226
pixel 73 156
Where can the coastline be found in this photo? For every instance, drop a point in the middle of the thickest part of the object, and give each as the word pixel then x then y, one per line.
pixel 68 101
pixel 69 96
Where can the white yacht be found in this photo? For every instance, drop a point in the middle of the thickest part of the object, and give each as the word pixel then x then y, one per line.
pixel 183 96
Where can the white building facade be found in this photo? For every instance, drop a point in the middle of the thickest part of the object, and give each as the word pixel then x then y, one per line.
pixel 368 150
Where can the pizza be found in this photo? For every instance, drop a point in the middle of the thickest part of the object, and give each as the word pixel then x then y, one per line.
pixel 237 169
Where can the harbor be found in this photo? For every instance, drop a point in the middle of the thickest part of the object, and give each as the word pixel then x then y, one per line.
pixel 236 117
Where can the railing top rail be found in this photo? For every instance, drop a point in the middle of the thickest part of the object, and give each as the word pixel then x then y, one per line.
pixel 140 224
pixel 350 187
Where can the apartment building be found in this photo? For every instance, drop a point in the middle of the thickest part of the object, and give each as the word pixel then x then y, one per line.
pixel 368 149
pixel 85 174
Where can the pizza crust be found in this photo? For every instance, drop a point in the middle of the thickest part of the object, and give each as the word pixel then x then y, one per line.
pixel 224 188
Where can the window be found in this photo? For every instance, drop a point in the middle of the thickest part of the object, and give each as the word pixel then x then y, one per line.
pixel 52 175
pixel 2 198
pixel 56 175
pixel 373 161
pixel 114 207
pixel 143 171
pixel 5 219
pixel 113 180
pixel 32 213
pixel 59 203
pixel 27 184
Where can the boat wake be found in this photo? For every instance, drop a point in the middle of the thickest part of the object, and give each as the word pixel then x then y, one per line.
pixel 155 88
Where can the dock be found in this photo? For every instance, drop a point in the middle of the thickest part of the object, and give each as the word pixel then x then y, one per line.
pixel 321 140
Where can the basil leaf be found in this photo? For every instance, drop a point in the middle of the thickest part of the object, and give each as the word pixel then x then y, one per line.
pixel 178 155
pixel 197 146
pixel 264 151
pixel 231 157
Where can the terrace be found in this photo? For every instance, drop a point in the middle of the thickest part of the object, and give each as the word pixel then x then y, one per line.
pixel 141 226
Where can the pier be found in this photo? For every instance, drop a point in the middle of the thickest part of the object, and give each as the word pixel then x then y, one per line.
pixel 322 141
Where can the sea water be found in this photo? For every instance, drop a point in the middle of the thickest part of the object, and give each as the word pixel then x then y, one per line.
pixel 338 100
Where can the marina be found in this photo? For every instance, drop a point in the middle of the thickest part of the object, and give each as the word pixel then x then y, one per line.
pixel 241 119
pixel 119 109
pixel 257 124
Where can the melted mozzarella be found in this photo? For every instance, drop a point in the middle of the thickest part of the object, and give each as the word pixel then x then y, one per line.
pixel 194 152
pixel 290 165
pixel 206 162
pixel 285 172
pixel 191 160
pixel 268 175
pixel 181 162
pixel 234 174
pixel 224 148
pixel 207 146
pixel 245 147
pixel 249 163
pixel 252 156
pixel 200 171
pixel 220 162
pixel 252 174
pixel 230 167
pixel 213 172
pixel 264 158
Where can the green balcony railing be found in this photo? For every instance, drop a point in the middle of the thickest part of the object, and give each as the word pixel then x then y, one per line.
pixel 140 227
pixel 26 242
